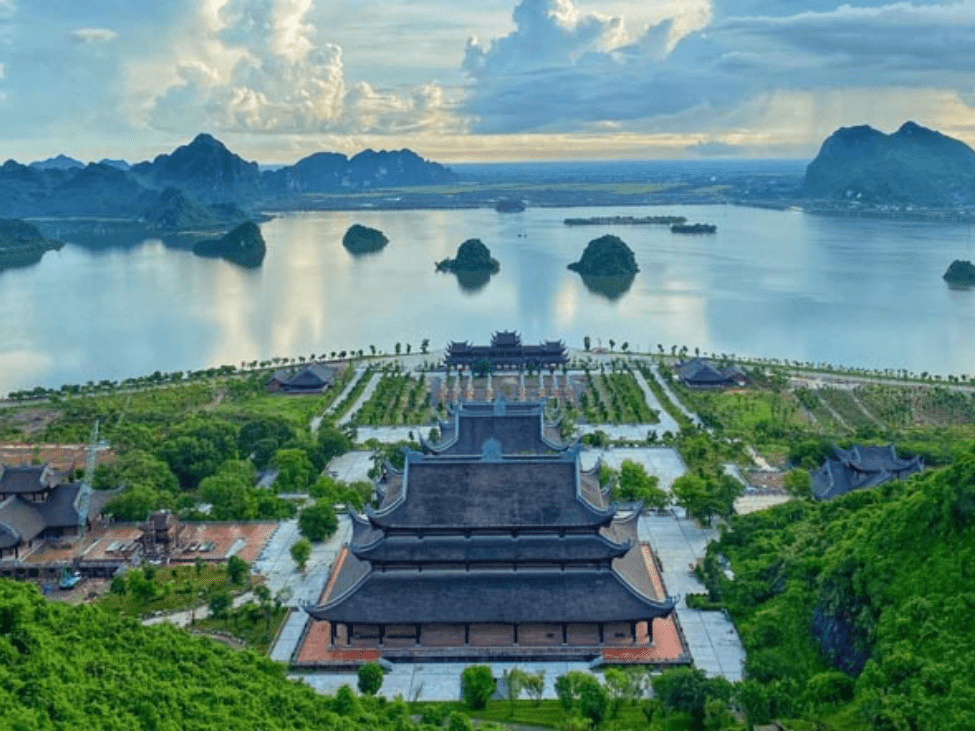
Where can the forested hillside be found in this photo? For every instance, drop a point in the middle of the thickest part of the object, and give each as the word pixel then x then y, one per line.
pixel 63 666
pixel 860 609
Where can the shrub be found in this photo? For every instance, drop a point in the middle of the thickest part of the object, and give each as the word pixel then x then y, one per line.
pixel 478 684
pixel 370 678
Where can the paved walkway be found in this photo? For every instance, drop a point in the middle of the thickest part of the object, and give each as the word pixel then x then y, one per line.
pixel 185 617
pixel 672 396
pixel 284 578
pixel 667 422
pixel 317 420
pixel 664 462
pixel 711 636
pixel 363 397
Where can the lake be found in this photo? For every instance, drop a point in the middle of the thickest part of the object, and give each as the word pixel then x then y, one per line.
pixel 785 284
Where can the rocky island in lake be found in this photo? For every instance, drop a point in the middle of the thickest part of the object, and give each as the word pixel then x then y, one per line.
pixel 473 265
pixel 693 228
pixel 244 245
pixel 607 256
pixel 21 244
pixel 509 205
pixel 364 240
pixel 961 273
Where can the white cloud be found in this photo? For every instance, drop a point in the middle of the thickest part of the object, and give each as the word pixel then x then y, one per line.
pixel 749 50
pixel 263 67
pixel 94 35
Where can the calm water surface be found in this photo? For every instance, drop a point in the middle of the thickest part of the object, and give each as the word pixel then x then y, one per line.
pixel 783 284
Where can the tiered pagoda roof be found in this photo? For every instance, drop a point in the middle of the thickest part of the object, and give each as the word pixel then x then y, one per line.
pixel 861 467
pixel 520 427
pixel 492 537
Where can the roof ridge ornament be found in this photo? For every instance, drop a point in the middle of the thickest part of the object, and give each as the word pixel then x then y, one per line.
pixel 500 405
pixel 491 450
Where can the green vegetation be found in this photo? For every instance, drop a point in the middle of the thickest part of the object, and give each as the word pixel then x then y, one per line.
pixel 370 678
pixel 472 256
pixel 318 521
pixel 90 668
pixel 607 256
pixel 478 686
pixel 301 552
pixel 615 398
pixel 856 611
pixel 140 592
pixel 398 399
pixel 363 240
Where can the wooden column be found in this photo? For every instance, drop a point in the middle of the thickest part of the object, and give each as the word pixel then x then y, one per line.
pixel 382 635
pixel 514 633
pixel 348 633
pixel 418 627
pixel 600 633
pixel 565 634
pixel 633 631
pixel 467 634
pixel 331 634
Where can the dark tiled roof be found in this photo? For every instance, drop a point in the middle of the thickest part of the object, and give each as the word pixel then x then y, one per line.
pixel 314 376
pixel 506 338
pixel 519 427
pixel 487 548
pixel 25 479
pixel 513 492
pixel 20 521
pixel 60 510
pixel 700 371
pixel 407 597
pixel 860 467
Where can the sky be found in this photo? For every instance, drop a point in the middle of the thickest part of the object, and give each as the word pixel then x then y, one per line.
pixel 491 80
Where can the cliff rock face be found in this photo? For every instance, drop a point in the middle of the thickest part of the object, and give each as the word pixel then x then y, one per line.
pixel 607 256
pixel 363 240
pixel 912 166
pixel 472 256
pixel 961 273
pixel 244 245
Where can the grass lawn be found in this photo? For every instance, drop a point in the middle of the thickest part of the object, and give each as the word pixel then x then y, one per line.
pixel 549 714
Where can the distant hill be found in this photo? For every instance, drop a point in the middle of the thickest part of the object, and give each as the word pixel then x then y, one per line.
pixel 204 168
pixel 60 162
pixel 175 211
pixel 207 175
pixel 244 245
pixel 912 166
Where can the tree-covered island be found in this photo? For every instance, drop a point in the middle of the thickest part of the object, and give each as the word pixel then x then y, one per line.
pixel 693 228
pixel 363 240
pixel 607 256
pixel 21 244
pixel 472 256
pixel 961 273
pixel 244 245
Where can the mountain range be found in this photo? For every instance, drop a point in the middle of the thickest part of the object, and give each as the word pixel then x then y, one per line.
pixel 198 184
pixel 913 166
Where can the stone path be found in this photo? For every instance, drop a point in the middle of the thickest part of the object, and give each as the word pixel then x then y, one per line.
pixel 317 420
pixel 711 636
pixel 667 422
pixel 672 396
pixel 663 462
pixel 185 617
pixel 363 397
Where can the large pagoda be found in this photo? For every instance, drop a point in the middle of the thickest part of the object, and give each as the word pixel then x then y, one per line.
pixel 506 351
pixel 509 551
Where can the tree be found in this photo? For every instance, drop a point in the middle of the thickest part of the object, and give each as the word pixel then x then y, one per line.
pixel 457 721
pixel 260 438
pixel 237 569
pixel 398 348
pixel 514 682
pixel 586 343
pixel 688 690
pixel 691 493
pixel 535 685
pixel 301 552
pixel 318 521
pixel 612 344
pixel 636 484
pixel 332 442
pixel 190 458
pixel 219 603
pixel 478 685
pixel 593 700
pixel 370 678
pixel 424 345
pixel 567 688
pixel 798 483
pixel 295 470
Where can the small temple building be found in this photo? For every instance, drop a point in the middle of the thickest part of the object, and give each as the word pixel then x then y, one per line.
pixel 313 379
pixel 700 373
pixel 510 550
pixel 861 467
pixel 36 503
pixel 506 351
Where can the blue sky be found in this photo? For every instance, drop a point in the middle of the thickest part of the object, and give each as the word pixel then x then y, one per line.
pixel 570 79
